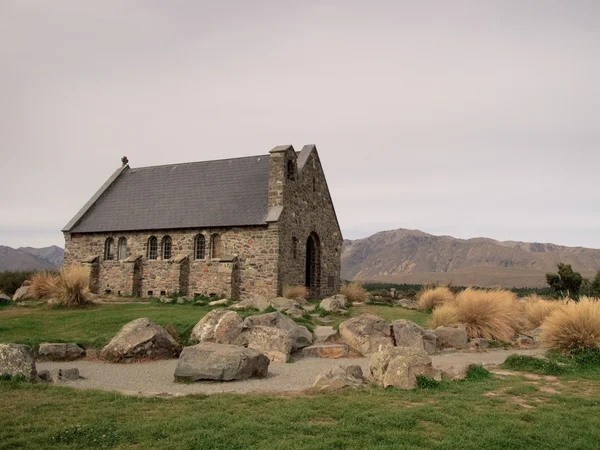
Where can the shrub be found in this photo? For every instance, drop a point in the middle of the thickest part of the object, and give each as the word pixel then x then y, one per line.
pixel 536 309
pixel 354 291
pixel 11 281
pixel 295 292
pixel 72 286
pixel 433 297
pixel 574 328
pixel 493 315
pixel 43 285
pixel 444 316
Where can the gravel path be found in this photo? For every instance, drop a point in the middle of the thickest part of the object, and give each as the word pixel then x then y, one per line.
pixel 156 378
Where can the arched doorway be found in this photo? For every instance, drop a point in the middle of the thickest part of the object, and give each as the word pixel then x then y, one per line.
pixel 313 265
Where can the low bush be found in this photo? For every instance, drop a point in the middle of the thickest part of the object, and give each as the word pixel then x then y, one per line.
pixel 354 292
pixel 434 297
pixel 536 309
pixel 295 292
pixel 11 281
pixel 444 316
pixel 573 328
pixel 72 286
pixel 534 365
pixel 43 285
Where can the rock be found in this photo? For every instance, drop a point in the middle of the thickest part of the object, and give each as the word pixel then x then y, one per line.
pixel 400 366
pixel 455 372
pixel 22 293
pixel 218 302
pixel 323 334
pixel 282 303
pixel 365 333
pixel 166 300
pixel 535 334
pixel 295 313
pixel 407 303
pixel 259 303
pixel 219 325
pixel 140 339
pixel 301 337
pixel 17 360
pixel 180 300
pixel 309 308
pixel 60 352
pixel 275 343
pixel 44 376
pixel 525 342
pixel 329 351
pixel 479 343
pixel 409 334
pixel 451 337
pixel 220 362
pixel 68 374
pixel 4 299
pixel 334 304
pixel 339 378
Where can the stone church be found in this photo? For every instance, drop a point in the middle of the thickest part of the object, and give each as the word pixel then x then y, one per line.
pixel 239 227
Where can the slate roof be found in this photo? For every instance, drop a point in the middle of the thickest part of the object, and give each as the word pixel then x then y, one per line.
pixel 227 192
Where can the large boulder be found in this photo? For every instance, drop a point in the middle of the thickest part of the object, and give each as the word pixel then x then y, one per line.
pixel 23 293
pixel 451 337
pixel 141 339
pixel 4 299
pixel 275 343
pixel 220 362
pixel 60 352
pixel 365 333
pixel 409 334
pixel 339 378
pixel 219 326
pixel 17 360
pixel 335 303
pixel 400 366
pixel 329 351
pixel 301 336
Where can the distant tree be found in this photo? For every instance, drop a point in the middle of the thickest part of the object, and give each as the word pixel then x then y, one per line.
pixel 566 281
pixel 595 286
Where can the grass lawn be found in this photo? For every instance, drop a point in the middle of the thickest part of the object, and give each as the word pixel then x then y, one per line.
pixel 95 326
pixel 510 413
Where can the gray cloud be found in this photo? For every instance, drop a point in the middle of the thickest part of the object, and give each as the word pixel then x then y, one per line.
pixel 466 118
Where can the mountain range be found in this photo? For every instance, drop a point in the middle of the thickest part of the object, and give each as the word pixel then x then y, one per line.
pixel 29 258
pixel 415 257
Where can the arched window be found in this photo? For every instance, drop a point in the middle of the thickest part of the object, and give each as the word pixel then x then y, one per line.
pixel 215 246
pixel 122 251
pixel 166 247
pixel 200 247
pixel 109 249
pixel 291 170
pixel 152 248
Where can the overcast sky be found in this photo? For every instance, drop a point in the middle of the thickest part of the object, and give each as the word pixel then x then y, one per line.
pixel 467 118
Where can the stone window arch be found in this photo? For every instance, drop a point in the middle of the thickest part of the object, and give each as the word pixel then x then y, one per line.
pixel 166 247
pixel 200 247
pixel 215 246
pixel 122 249
pixel 152 247
pixel 109 249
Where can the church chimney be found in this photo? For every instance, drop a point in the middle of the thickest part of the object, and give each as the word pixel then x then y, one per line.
pixel 282 170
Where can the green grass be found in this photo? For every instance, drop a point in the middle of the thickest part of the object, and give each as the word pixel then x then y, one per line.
pixel 519 414
pixel 583 365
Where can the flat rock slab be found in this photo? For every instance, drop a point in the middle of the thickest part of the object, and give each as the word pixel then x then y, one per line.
pixel 322 333
pixel 60 352
pixel 331 351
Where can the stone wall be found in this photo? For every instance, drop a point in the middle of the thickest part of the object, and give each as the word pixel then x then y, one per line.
pixel 211 278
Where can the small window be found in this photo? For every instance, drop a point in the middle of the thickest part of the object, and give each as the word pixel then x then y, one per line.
pixel 291 170
pixel 122 253
pixel 314 184
pixel 109 249
pixel 331 281
pixel 294 247
pixel 152 248
pixel 200 247
pixel 166 247
pixel 215 246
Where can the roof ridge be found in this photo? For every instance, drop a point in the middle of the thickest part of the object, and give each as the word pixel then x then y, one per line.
pixel 196 162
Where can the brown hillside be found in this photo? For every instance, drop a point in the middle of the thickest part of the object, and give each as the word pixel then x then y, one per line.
pixel 411 256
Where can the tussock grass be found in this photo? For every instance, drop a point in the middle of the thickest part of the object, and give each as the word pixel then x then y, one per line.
pixel 429 299
pixel 295 292
pixel 444 316
pixel 43 285
pixel 536 309
pixel 493 315
pixel 72 286
pixel 354 292
pixel 573 328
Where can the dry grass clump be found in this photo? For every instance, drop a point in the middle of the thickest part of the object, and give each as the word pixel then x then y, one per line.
pixel 573 328
pixel 72 286
pixel 354 292
pixel 536 309
pixel 493 315
pixel 43 285
pixel 444 316
pixel 295 292
pixel 431 298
